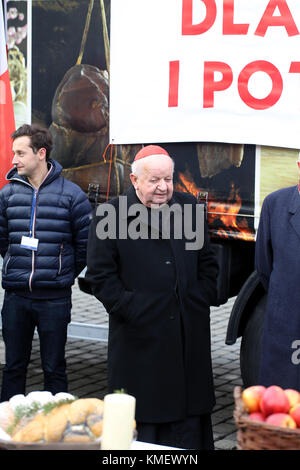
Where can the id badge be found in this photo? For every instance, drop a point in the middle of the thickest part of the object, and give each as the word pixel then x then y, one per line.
pixel 29 243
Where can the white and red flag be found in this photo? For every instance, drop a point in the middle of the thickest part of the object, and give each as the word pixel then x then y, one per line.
pixel 7 119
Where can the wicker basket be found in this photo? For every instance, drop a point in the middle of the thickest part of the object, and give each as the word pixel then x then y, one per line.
pixel 256 435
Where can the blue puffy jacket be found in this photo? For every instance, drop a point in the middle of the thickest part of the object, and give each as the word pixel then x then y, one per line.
pixel 59 213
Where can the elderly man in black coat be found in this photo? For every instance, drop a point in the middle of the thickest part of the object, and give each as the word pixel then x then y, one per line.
pixel 157 286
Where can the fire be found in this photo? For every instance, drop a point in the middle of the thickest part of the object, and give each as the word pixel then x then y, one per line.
pixel 187 186
pixel 222 217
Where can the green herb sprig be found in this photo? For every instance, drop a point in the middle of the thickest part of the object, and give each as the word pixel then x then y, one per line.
pixel 26 411
pixel 48 407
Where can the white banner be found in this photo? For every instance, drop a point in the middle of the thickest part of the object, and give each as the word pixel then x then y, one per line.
pixel 205 70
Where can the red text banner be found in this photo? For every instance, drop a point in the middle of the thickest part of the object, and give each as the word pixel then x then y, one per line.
pixel 205 70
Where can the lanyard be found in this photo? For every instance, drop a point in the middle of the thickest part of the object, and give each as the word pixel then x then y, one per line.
pixel 32 211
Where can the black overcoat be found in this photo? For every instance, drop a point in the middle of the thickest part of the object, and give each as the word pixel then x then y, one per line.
pixel 278 265
pixel 157 295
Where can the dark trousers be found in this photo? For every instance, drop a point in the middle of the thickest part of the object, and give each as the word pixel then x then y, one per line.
pixel 20 316
pixel 194 432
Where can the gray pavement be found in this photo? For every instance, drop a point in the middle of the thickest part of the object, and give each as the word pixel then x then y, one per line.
pixel 86 360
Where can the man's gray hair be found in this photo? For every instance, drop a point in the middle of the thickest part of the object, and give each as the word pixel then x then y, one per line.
pixel 136 167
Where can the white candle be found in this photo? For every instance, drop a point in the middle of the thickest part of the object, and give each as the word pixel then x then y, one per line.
pixel 118 421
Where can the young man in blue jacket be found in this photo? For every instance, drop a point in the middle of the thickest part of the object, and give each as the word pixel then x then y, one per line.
pixel 44 222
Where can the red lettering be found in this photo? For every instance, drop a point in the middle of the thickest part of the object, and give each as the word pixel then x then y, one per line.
pixel 285 19
pixel 295 67
pixel 210 85
pixel 173 83
pixel 188 28
pixel 277 85
pixel 229 27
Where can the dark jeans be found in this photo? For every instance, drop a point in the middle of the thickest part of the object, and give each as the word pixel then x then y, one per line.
pixel 20 316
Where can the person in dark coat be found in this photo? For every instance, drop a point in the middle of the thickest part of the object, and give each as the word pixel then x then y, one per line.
pixel 157 292
pixel 44 222
pixel 277 263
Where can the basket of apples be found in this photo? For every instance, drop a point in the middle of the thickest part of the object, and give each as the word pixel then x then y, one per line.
pixel 267 418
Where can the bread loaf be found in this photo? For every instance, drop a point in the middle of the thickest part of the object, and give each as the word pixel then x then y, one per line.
pixel 7 415
pixel 79 421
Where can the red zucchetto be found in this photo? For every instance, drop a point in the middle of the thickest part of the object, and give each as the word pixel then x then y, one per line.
pixel 151 150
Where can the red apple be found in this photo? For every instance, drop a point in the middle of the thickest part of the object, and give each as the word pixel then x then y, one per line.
pixel 281 419
pixel 293 396
pixel 274 400
pixel 295 414
pixel 251 396
pixel 256 416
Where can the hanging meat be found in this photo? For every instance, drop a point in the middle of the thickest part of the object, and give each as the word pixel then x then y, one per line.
pixel 80 118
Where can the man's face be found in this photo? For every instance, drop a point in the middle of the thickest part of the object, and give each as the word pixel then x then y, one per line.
pixel 25 160
pixel 154 184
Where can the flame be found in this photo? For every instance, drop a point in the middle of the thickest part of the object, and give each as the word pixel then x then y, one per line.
pixel 187 186
pixel 224 215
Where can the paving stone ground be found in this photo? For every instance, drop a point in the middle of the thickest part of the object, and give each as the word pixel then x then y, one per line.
pixel 87 370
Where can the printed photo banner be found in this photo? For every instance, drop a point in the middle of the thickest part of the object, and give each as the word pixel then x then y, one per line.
pixel 205 70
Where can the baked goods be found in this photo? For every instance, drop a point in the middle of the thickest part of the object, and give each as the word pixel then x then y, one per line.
pixel 43 418
pixel 79 421
pixel 7 415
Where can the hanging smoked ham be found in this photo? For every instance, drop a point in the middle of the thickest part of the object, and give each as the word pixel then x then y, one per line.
pixel 80 117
